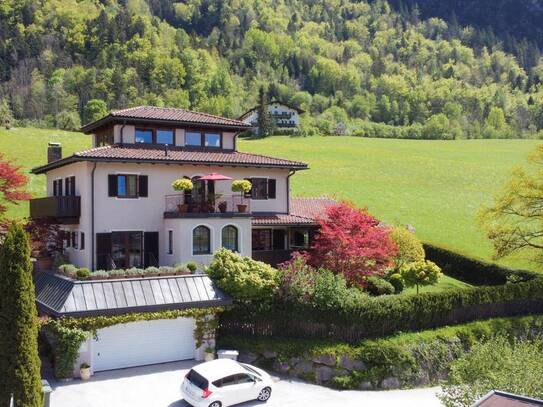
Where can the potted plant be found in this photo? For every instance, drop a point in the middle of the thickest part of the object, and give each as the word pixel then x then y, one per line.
pixel 209 354
pixel 242 186
pixel 183 185
pixel 84 371
pixel 222 206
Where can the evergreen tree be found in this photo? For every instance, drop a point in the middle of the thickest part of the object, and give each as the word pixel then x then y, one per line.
pixel 6 117
pixel 265 125
pixel 19 360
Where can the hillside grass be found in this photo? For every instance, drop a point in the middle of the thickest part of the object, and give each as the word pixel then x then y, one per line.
pixel 436 186
pixel 444 283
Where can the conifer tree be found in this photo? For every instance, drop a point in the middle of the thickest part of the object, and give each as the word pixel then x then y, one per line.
pixel 265 125
pixel 19 360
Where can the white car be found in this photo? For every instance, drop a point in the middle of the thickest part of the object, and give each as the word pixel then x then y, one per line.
pixel 225 382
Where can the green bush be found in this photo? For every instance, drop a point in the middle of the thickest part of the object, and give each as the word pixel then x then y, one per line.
pixel 471 270
pixel 410 248
pixel 513 366
pixel 242 277
pixel 397 282
pixel 83 273
pixel 379 286
pixel 65 347
pixel 192 266
pixel 420 273
pixel 68 270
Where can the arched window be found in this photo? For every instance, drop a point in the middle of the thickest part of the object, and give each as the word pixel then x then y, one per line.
pixel 201 240
pixel 230 238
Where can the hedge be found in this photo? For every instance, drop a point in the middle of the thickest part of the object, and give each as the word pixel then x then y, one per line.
pixel 405 355
pixel 381 316
pixel 472 270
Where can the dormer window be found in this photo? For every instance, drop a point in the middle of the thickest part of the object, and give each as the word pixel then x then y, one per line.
pixel 212 140
pixel 154 136
pixel 144 136
pixel 207 139
pixel 193 138
pixel 164 137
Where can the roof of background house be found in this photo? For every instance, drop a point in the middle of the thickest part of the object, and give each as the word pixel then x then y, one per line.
pixel 59 296
pixel 171 155
pixel 300 111
pixel 165 115
pixel 303 211
pixel 497 398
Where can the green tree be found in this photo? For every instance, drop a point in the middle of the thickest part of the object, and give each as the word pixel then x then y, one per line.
pixel 420 273
pixel 67 120
pixel 511 366
pixel 94 109
pixel 6 117
pixel 514 223
pixel 410 248
pixel 19 360
pixel 264 122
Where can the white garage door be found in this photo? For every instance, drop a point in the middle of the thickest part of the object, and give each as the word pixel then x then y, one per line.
pixel 143 343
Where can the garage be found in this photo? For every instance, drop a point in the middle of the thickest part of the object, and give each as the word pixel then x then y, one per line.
pixel 139 342
pixel 143 343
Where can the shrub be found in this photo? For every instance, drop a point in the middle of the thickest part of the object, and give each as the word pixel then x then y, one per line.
pixel 353 243
pixel 181 269
pixel 83 273
pixel 378 286
pixel 241 185
pixel 192 266
pixel 512 366
pixel 471 270
pixel 182 184
pixel 420 273
pixel 397 282
pixel 409 248
pixel 67 120
pixel 134 272
pixel 99 275
pixel 68 270
pixel 152 271
pixel 242 277
pixel 120 273
pixel 164 270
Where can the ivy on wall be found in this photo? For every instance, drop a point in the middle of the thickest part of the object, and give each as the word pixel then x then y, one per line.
pixel 68 333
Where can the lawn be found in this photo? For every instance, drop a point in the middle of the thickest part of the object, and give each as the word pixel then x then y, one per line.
pixel 435 186
pixel 445 283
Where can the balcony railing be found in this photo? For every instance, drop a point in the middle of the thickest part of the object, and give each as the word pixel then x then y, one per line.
pixel 181 205
pixel 63 208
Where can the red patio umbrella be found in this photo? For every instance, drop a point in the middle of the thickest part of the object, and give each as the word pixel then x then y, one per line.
pixel 214 177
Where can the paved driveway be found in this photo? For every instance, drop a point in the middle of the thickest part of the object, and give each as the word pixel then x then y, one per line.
pixel 158 386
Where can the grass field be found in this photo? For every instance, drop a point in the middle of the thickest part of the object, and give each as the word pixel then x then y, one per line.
pixel 436 186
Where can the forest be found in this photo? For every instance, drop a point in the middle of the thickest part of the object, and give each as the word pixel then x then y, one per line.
pixel 364 66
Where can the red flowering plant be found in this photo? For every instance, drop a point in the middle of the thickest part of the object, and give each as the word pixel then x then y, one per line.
pixel 353 243
pixel 12 184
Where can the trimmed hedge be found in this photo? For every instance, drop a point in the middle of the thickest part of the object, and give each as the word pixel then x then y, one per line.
pixel 472 270
pixel 379 316
pixel 421 358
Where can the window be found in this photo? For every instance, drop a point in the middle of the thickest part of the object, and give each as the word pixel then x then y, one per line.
pixel 67 238
pixel 144 136
pixel 193 138
pixel 127 249
pixel 261 239
pixel 299 239
pixel 201 240
pixel 170 241
pixel 127 185
pixel 230 238
pixel 212 140
pixel 164 137
pixel 69 186
pixel 74 239
pixel 82 241
pixel 262 188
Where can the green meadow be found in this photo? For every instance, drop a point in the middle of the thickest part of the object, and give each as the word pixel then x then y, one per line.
pixel 435 186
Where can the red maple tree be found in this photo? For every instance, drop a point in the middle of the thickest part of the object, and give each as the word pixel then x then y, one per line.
pixel 12 185
pixel 352 242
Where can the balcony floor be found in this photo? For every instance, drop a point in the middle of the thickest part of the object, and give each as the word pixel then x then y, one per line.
pixel 191 215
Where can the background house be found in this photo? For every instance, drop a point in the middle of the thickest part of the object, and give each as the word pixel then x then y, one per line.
pixel 284 116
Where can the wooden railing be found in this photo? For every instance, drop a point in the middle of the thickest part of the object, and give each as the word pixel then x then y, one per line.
pixel 59 207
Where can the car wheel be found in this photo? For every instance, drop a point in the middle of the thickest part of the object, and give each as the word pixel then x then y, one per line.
pixel 264 394
pixel 215 404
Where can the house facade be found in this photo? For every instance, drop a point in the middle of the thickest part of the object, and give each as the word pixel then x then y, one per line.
pixel 118 209
pixel 285 117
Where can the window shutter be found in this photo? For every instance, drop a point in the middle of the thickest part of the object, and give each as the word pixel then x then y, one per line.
pixel 103 251
pixel 250 193
pixel 271 188
pixel 143 186
pixel 59 187
pixel 55 188
pixel 82 241
pixel 72 186
pixel 112 185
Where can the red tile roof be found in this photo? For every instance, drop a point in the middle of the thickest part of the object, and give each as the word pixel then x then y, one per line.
pixel 166 114
pixel 303 211
pixel 175 155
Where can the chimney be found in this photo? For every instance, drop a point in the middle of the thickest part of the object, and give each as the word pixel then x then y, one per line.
pixel 54 152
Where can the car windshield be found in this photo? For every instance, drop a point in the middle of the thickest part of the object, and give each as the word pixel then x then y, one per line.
pixel 197 379
pixel 250 369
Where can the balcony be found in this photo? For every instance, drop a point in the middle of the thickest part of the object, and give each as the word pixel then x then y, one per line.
pixel 64 209
pixel 213 205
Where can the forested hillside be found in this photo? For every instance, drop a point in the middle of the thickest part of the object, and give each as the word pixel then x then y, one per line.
pixel 379 72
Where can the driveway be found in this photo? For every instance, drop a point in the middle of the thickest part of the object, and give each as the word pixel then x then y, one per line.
pixel 158 386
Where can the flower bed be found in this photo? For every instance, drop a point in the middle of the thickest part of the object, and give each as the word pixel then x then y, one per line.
pixel 73 272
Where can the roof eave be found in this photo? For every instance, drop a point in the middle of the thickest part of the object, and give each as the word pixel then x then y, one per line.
pixel 88 128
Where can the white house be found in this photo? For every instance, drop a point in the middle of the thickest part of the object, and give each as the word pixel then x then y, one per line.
pixel 118 209
pixel 286 117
